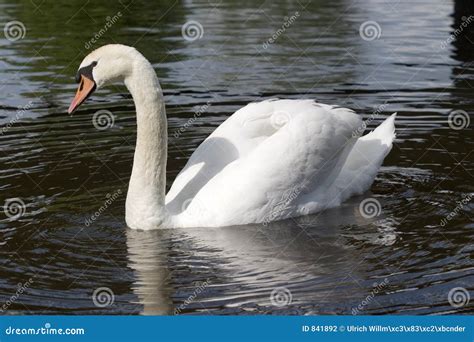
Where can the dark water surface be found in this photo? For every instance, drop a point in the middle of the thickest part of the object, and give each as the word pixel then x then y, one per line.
pixel 405 260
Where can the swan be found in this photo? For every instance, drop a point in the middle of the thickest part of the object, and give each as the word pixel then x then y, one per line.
pixel 269 161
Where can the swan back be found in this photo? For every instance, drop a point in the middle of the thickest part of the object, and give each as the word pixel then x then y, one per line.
pixel 279 153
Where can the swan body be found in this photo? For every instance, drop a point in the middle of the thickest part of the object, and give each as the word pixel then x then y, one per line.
pixel 269 161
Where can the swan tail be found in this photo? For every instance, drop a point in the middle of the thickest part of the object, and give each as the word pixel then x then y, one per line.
pixel 385 132
pixel 365 160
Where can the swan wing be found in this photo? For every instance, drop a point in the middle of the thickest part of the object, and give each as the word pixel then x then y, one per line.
pixel 275 153
pixel 234 138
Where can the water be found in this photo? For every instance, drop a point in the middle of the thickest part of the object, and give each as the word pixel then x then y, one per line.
pixel 403 261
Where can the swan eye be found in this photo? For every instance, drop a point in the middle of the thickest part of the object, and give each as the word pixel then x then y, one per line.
pixel 86 71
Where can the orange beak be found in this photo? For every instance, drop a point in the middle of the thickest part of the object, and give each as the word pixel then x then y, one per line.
pixel 86 87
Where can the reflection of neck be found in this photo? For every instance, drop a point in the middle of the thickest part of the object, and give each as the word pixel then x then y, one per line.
pixel 145 205
pixel 148 254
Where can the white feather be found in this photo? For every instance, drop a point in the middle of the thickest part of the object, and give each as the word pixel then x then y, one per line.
pixel 256 169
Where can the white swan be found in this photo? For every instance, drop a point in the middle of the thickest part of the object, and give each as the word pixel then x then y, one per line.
pixel 269 161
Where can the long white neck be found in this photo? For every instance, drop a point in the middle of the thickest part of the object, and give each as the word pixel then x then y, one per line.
pixel 145 205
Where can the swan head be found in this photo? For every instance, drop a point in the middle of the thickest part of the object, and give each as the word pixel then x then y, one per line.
pixel 106 65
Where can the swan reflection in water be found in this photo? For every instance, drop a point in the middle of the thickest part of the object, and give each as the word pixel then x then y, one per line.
pixel 311 259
